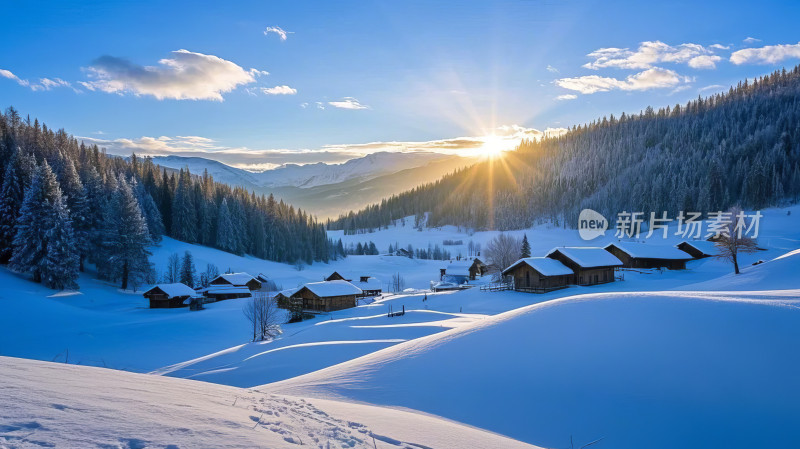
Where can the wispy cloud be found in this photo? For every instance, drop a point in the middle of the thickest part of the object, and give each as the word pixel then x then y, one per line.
pixel 712 87
pixel 282 34
pixel 649 79
pixel 566 97
pixel 750 40
pixel 551 69
pixel 704 62
pixel 185 75
pixel 648 54
pixel 279 90
pixel 259 159
pixel 720 46
pixel 42 85
pixel 770 54
pixel 348 103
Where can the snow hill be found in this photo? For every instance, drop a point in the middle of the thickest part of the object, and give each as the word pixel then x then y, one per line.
pixel 657 370
pixel 44 404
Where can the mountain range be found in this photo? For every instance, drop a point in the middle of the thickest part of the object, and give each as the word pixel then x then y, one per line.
pixel 328 190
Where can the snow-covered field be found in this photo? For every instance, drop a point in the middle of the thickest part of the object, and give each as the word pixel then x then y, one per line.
pixel 691 358
pixel 57 405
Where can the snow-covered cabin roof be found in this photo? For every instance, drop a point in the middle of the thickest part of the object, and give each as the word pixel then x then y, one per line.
pixel 225 289
pixel 588 257
pixel 647 251
pixel 544 265
pixel 704 246
pixel 459 267
pixel 235 278
pixel 371 284
pixel 332 288
pixel 174 290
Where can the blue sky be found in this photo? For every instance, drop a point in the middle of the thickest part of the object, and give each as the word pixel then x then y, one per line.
pixel 420 74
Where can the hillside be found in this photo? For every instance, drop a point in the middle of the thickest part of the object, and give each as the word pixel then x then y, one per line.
pixel 328 189
pixel 737 148
pixel 658 370
pixel 44 404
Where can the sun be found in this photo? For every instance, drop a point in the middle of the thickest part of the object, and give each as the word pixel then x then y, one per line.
pixel 493 146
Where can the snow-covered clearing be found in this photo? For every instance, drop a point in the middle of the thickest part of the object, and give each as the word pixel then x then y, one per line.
pixel 696 357
pixel 57 405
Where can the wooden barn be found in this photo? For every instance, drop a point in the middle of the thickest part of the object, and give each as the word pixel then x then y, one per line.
pixel 645 255
pixel 237 280
pixel 590 265
pixel 168 296
pixel 539 274
pixel 698 249
pixel 327 296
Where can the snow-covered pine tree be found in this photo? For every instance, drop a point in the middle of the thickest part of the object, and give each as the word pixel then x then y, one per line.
pixel 12 194
pixel 226 240
pixel 188 270
pixel 42 210
pixel 526 247
pixel 149 209
pixel 126 238
pixel 61 263
pixel 184 213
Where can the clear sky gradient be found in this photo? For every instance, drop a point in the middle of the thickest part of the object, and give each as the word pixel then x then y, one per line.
pixel 354 72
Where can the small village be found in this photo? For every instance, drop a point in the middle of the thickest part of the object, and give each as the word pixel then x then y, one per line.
pixel 559 268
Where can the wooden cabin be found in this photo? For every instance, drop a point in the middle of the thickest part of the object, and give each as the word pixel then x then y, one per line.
pixel 168 296
pixel 237 280
pixel 370 286
pixel 539 274
pixel 460 271
pixel 645 255
pixel 223 292
pixel 698 249
pixel 591 265
pixel 327 296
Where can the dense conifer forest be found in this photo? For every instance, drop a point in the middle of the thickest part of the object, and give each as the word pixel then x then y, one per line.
pixel 63 205
pixel 741 148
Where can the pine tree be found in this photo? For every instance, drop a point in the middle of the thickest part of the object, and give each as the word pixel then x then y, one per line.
pixel 184 213
pixel 526 247
pixel 12 194
pixel 42 227
pixel 126 239
pixel 188 270
pixel 61 264
pixel 226 239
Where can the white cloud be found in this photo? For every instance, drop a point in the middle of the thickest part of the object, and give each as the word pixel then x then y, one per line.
pixel 348 103
pixel 279 90
pixel 646 56
pixel 769 54
pixel 8 74
pixel 282 34
pixel 259 159
pixel 551 69
pixel 566 97
pixel 185 76
pixel 704 62
pixel 719 47
pixel 320 105
pixel 649 79
pixel 712 87
pixel 751 40
pixel 304 105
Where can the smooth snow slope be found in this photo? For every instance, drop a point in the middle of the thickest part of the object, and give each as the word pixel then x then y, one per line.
pixel 655 370
pixel 44 404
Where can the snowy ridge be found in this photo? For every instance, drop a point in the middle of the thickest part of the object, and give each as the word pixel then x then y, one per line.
pixel 48 404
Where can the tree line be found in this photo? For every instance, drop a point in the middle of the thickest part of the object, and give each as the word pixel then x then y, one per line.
pixel 741 147
pixel 64 204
